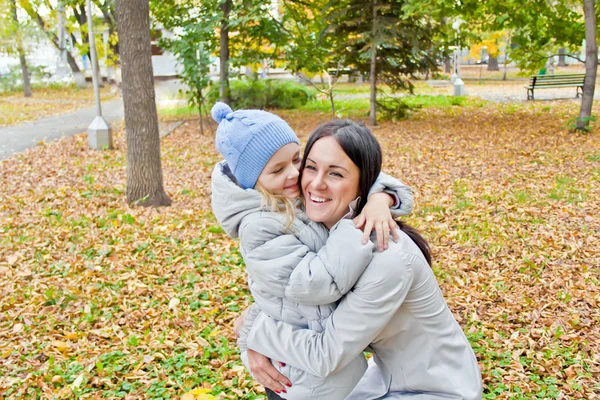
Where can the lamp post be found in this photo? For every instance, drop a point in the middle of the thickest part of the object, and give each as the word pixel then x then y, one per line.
pixel 99 132
pixel 459 85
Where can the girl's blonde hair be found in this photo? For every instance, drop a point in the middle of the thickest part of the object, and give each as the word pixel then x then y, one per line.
pixel 277 203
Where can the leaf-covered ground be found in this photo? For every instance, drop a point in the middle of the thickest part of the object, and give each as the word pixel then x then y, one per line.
pixel 99 300
pixel 16 109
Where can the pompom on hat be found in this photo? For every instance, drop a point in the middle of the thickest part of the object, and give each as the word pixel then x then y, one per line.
pixel 247 139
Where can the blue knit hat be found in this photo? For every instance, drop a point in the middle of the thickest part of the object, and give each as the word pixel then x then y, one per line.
pixel 247 139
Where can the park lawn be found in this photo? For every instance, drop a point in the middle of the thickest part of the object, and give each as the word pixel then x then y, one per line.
pixel 354 107
pixel 17 109
pixel 100 300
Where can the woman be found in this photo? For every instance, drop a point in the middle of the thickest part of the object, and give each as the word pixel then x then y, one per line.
pixel 395 308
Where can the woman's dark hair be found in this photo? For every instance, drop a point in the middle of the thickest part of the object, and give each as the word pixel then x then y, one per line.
pixel 362 147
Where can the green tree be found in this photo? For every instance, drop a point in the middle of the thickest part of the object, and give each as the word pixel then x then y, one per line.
pixel 13 35
pixel 239 32
pixel 307 45
pixel 389 40
pixel 539 28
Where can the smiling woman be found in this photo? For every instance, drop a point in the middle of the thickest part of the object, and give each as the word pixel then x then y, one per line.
pixel 395 309
pixel 331 170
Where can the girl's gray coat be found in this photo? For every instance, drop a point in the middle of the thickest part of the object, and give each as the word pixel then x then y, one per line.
pixel 297 273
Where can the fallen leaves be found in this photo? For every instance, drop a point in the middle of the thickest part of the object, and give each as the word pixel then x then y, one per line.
pixel 99 300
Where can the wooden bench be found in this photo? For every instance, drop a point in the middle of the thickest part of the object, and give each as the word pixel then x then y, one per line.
pixel 340 72
pixel 554 81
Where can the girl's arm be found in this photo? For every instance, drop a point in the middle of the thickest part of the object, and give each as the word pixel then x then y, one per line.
pixel 323 277
pixel 362 314
pixel 387 193
pixel 402 194
pixel 284 267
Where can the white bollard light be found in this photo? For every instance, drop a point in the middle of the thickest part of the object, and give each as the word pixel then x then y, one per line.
pixel 100 134
pixel 459 87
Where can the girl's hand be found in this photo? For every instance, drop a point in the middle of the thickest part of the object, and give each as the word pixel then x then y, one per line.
pixel 239 322
pixel 376 215
pixel 266 374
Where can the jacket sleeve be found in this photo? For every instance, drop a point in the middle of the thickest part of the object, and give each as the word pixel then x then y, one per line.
pixel 285 267
pixel 253 312
pixel 399 191
pixel 361 315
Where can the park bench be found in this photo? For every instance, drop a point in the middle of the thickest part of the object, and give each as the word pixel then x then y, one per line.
pixel 340 72
pixel 554 81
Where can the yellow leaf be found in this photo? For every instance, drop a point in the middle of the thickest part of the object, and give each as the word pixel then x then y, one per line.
pixel 215 332
pixel 198 394
pixel 174 303
pixel 60 345
pixel 78 381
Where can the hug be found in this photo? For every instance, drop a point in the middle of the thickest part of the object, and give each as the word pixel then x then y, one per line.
pixel 325 292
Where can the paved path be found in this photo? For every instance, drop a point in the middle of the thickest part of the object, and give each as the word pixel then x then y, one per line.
pixel 18 138
pixel 15 139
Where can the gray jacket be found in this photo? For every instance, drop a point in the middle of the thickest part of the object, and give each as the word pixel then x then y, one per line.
pixel 297 274
pixel 397 309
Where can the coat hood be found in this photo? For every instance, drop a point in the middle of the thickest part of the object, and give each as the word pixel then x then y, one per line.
pixel 230 202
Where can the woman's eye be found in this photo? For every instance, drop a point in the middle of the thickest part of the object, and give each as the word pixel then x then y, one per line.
pixel 310 167
pixel 277 171
pixel 337 174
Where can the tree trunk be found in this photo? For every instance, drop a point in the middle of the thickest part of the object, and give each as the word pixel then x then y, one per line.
pixel 330 94
pixel 201 101
pixel 224 53
pixel 144 171
pixel 373 102
pixel 493 64
pixel 561 57
pixel 21 51
pixel 591 65
pixel 447 65
pixel 25 74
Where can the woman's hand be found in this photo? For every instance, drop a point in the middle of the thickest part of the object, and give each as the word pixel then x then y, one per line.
pixel 266 374
pixel 376 215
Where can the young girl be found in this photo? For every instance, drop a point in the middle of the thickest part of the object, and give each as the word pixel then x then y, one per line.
pixel 255 197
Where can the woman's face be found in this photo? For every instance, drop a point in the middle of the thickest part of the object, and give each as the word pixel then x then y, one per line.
pixel 280 175
pixel 330 182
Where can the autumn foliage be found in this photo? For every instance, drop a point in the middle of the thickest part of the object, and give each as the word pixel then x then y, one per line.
pixel 99 300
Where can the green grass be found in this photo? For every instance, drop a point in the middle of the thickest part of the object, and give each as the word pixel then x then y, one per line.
pixel 360 106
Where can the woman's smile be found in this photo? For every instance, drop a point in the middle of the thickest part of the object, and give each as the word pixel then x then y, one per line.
pixel 318 199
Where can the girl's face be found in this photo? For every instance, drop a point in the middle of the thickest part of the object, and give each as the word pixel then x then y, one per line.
pixel 280 175
pixel 330 182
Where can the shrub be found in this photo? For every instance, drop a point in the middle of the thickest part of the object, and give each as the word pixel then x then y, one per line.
pixel 395 108
pixel 261 94
pixel 12 80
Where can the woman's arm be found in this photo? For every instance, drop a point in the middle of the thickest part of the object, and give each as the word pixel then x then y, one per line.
pixel 362 314
pixel 260 366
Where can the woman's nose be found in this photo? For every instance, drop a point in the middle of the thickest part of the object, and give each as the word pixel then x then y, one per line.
pixel 319 182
